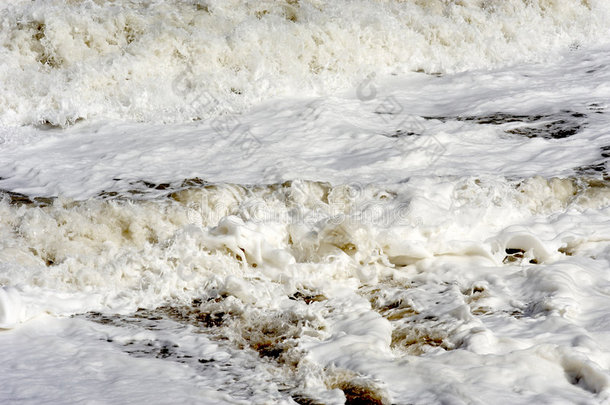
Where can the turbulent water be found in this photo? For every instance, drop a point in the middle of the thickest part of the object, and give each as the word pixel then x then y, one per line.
pixel 66 61
pixel 378 202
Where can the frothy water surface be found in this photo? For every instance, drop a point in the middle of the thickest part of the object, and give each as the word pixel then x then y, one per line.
pixel 381 202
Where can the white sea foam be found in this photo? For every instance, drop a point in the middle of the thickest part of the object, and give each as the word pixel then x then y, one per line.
pixel 547 119
pixel 182 60
pixel 393 271
pixel 418 238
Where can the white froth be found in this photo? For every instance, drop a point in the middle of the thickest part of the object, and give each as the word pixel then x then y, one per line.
pixel 437 126
pixel 434 281
pixel 419 238
pixel 172 61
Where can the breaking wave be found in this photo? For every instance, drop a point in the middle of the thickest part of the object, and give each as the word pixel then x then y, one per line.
pixel 140 253
pixel 178 60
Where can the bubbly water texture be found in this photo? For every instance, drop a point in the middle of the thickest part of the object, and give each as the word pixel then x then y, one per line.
pixel 178 60
pixel 337 287
pixel 381 202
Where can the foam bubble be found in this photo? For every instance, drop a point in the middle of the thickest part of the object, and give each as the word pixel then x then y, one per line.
pixel 180 60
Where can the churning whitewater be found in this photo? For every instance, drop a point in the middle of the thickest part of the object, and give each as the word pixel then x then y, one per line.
pixel 75 60
pixel 305 202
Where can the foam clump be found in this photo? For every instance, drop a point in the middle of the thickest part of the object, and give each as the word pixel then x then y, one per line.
pixel 11 308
